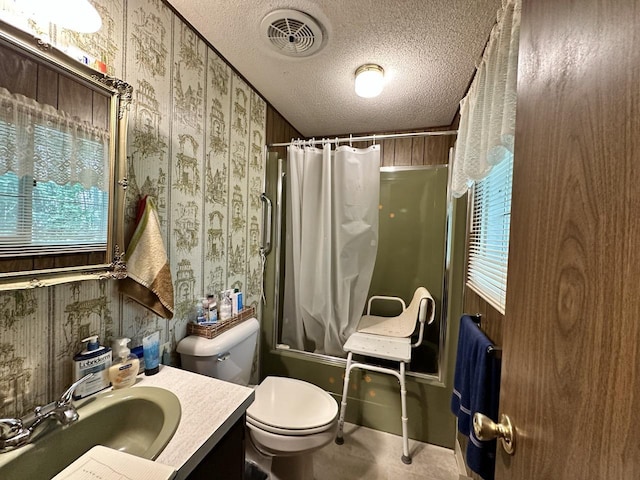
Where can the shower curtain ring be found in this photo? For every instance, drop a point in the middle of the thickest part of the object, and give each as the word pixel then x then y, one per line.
pixel 374 138
pixel 350 140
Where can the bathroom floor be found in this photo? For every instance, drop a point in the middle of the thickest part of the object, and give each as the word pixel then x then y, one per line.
pixel 375 455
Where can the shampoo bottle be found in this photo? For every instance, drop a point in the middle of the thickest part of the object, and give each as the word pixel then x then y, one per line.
pixel 124 368
pixel 94 359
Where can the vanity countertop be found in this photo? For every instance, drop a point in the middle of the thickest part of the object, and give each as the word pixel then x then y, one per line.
pixel 209 408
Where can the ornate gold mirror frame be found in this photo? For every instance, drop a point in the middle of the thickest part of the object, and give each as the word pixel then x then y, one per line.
pixel 112 265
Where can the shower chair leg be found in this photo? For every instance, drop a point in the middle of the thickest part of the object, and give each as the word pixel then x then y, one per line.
pixel 406 458
pixel 343 404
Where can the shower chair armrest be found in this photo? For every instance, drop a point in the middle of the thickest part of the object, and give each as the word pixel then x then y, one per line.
pixel 383 297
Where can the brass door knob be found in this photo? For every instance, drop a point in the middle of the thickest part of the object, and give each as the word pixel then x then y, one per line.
pixel 487 429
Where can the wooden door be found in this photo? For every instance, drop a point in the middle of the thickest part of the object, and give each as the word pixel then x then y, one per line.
pixel 571 339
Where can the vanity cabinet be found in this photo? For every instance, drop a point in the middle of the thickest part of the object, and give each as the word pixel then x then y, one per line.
pixel 226 460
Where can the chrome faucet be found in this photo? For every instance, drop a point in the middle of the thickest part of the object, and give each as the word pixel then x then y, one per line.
pixel 15 432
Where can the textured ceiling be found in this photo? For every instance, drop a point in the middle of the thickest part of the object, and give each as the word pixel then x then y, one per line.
pixel 428 49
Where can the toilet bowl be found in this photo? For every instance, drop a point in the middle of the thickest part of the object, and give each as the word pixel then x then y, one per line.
pixel 290 417
pixel 288 420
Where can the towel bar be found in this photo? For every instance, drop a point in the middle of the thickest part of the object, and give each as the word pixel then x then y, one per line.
pixel 497 351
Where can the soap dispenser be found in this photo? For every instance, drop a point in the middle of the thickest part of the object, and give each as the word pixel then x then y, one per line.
pixel 96 359
pixel 124 369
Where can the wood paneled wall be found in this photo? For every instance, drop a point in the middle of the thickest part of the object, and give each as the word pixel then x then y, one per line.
pixel 491 325
pixel 432 150
pixel 279 131
pixel 21 74
pixel 412 151
pixel 399 152
pixel 491 318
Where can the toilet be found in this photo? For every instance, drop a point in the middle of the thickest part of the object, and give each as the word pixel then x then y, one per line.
pixel 288 420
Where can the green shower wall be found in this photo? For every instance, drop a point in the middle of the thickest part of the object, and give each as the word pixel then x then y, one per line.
pixel 412 248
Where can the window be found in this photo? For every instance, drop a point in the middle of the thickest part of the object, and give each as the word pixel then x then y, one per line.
pixel 489 236
pixel 53 195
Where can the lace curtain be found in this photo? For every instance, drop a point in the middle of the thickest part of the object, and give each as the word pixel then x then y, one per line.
pixel 488 111
pixel 39 141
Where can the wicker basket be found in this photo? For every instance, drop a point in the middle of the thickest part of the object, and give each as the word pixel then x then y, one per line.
pixel 212 331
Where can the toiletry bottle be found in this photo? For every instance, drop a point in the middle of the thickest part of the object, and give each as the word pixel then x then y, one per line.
pixel 205 308
pixel 236 302
pixel 94 359
pixel 151 352
pixel 124 368
pixel 138 352
pixel 240 301
pixel 213 308
pixel 225 306
pixel 201 311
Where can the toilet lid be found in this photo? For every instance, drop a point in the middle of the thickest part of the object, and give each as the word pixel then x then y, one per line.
pixel 290 404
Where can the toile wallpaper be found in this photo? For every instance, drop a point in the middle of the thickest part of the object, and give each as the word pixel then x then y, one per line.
pixel 195 140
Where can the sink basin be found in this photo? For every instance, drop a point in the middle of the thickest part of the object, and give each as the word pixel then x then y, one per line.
pixel 139 420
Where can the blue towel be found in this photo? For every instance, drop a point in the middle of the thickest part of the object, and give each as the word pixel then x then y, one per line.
pixel 476 388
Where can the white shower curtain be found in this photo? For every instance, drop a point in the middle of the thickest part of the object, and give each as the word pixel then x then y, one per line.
pixel 331 243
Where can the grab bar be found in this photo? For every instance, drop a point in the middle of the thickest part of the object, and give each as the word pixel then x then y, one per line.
pixel 265 249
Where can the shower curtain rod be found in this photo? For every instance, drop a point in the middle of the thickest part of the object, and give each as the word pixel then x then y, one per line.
pixel 374 137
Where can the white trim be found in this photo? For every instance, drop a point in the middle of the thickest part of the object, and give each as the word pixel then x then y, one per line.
pixel 462 471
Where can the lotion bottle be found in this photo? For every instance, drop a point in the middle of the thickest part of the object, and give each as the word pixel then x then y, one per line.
pixel 124 368
pixel 95 359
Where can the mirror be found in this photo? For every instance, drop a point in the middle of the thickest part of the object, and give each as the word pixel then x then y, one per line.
pixel 62 166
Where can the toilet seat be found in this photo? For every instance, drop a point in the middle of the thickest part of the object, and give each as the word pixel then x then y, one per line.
pixel 284 431
pixel 287 406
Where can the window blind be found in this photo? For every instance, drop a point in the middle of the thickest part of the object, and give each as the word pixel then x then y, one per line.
pixel 45 216
pixel 489 236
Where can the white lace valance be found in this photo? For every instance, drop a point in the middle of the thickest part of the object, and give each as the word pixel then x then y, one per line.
pixel 49 145
pixel 488 111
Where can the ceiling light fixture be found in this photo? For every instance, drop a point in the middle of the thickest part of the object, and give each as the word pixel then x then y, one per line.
pixel 369 80
pixel 78 15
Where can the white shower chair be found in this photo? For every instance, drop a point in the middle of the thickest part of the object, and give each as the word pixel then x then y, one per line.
pixel 388 338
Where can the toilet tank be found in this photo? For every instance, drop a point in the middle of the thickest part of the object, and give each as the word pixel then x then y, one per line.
pixel 228 357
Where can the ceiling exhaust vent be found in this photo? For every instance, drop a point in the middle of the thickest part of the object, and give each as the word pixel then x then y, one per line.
pixel 292 33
